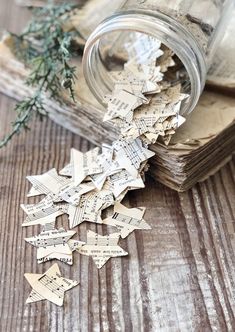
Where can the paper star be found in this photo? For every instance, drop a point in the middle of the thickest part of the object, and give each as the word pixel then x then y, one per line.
pixel 150 138
pixel 130 155
pixel 49 286
pixel 44 212
pixel 53 244
pixel 150 75
pixel 90 207
pixel 47 183
pixel 166 59
pixel 109 166
pixel 72 194
pixel 121 105
pixel 83 161
pixel 171 95
pixel 170 127
pixel 84 164
pixel 33 192
pixel 123 180
pixel 125 80
pixel 101 248
pixel 127 220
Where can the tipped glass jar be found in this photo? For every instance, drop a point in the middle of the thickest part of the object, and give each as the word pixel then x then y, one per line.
pixel 192 29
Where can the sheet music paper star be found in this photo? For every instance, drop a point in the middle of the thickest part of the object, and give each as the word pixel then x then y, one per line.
pixel 172 95
pixel 102 248
pixel 121 105
pixel 125 80
pixel 139 127
pixel 53 244
pixel 33 192
pixel 170 127
pixel 44 212
pixel 151 75
pixel 130 155
pixel 47 183
pixel 123 181
pixel 90 207
pixel 49 286
pixel 109 166
pixel 127 220
pixel 84 164
pixel 72 194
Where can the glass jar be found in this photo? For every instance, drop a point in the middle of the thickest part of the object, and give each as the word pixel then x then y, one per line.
pixel 192 29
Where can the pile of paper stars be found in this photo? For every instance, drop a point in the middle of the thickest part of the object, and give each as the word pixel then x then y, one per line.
pixel 144 106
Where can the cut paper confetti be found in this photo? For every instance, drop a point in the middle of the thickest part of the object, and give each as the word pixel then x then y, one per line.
pixel 47 183
pixel 127 220
pixel 102 248
pixel 45 212
pixel 54 244
pixel 49 286
pixel 84 164
pixel 146 106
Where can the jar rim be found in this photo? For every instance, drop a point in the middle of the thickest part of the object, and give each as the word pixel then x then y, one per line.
pixel 160 26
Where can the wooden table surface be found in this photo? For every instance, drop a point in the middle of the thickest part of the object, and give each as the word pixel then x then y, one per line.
pixel 177 277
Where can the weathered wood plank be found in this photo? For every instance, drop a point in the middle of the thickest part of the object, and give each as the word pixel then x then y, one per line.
pixel 179 275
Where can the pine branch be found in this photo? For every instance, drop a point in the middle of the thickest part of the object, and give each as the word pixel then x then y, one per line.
pixel 25 109
pixel 47 49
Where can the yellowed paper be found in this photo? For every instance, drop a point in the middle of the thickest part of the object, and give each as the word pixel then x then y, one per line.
pixel 53 244
pixel 49 286
pixel 47 183
pixel 127 220
pixel 102 248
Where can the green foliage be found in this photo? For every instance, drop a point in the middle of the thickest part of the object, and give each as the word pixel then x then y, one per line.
pixel 47 49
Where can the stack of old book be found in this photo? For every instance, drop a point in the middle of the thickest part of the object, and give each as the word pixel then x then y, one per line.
pixel 199 148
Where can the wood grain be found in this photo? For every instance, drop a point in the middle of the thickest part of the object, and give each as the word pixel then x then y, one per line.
pixel 177 277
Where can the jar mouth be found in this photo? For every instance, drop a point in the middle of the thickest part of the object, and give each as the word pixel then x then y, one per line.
pixel 160 26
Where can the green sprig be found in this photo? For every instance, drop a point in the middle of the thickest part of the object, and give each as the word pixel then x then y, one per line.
pixel 47 49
